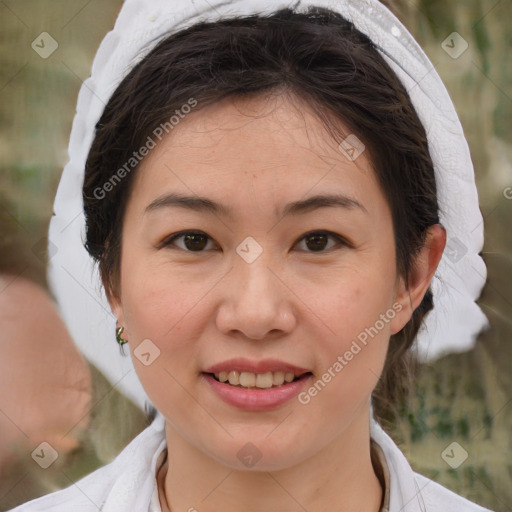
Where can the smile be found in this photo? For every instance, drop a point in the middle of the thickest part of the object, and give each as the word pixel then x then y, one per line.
pixel 255 380
pixel 255 398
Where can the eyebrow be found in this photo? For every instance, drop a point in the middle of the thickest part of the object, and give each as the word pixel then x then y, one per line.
pixel 203 204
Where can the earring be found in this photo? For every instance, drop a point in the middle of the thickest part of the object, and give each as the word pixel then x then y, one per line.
pixel 120 340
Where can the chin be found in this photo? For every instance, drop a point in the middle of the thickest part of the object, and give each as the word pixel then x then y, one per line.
pixel 260 453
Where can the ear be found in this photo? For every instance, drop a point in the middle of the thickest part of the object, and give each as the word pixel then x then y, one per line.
pixel 410 294
pixel 114 300
pixel 117 309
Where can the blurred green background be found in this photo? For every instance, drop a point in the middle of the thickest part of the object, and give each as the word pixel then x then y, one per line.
pixel 465 398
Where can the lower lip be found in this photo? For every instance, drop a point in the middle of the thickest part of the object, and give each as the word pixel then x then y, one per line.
pixel 254 399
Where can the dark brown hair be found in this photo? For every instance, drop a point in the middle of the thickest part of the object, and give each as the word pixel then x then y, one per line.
pixel 316 56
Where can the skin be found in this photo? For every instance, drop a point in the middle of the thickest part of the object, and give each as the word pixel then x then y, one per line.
pixel 46 383
pixel 293 303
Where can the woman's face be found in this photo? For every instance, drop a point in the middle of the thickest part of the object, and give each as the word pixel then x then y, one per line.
pixel 269 275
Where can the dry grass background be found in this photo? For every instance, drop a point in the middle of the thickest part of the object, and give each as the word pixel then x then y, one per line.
pixel 465 398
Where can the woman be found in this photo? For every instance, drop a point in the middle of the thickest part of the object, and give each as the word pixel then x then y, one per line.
pixel 268 210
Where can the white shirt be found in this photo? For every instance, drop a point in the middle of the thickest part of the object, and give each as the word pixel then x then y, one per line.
pixel 128 483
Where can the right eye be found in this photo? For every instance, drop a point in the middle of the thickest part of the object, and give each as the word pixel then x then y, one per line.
pixel 193 241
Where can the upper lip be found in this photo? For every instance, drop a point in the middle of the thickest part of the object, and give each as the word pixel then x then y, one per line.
pixel 265 365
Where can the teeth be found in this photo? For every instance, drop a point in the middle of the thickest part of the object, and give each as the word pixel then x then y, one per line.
pixel 258 380
pixel 234 378
pixel 264 380
pixel 247 380
pixel 277 378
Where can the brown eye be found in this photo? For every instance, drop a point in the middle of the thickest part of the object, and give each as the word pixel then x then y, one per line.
pixel 193 241
pixel 316 241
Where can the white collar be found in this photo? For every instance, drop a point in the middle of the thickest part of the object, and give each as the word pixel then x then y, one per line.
pixel 129 481
pixel 409 491
pixel 405 491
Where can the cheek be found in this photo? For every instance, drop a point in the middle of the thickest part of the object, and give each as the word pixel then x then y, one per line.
pixel 156 300
pixel 353 300
pixel 356 315
pixel 159 309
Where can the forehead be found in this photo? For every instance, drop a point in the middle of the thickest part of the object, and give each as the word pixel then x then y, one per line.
pixel 272 121
pixel 273 147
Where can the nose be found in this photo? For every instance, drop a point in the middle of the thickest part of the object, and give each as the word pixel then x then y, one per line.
pixel 256 302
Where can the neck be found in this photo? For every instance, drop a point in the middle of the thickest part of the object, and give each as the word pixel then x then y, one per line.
pixel 340 477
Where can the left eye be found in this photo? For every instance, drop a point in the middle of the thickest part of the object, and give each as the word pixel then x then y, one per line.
pixel 318 239
pixel 196 241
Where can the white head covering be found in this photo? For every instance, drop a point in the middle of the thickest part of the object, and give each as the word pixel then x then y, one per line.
pixel 456 319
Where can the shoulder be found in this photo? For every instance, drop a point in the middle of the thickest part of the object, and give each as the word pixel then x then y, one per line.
pixel 439 498
pixel 125 484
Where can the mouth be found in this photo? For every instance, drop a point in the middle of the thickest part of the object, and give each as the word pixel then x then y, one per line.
pixel 256 392
pixel 249 380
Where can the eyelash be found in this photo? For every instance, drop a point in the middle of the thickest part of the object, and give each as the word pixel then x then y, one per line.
pixel 341 241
